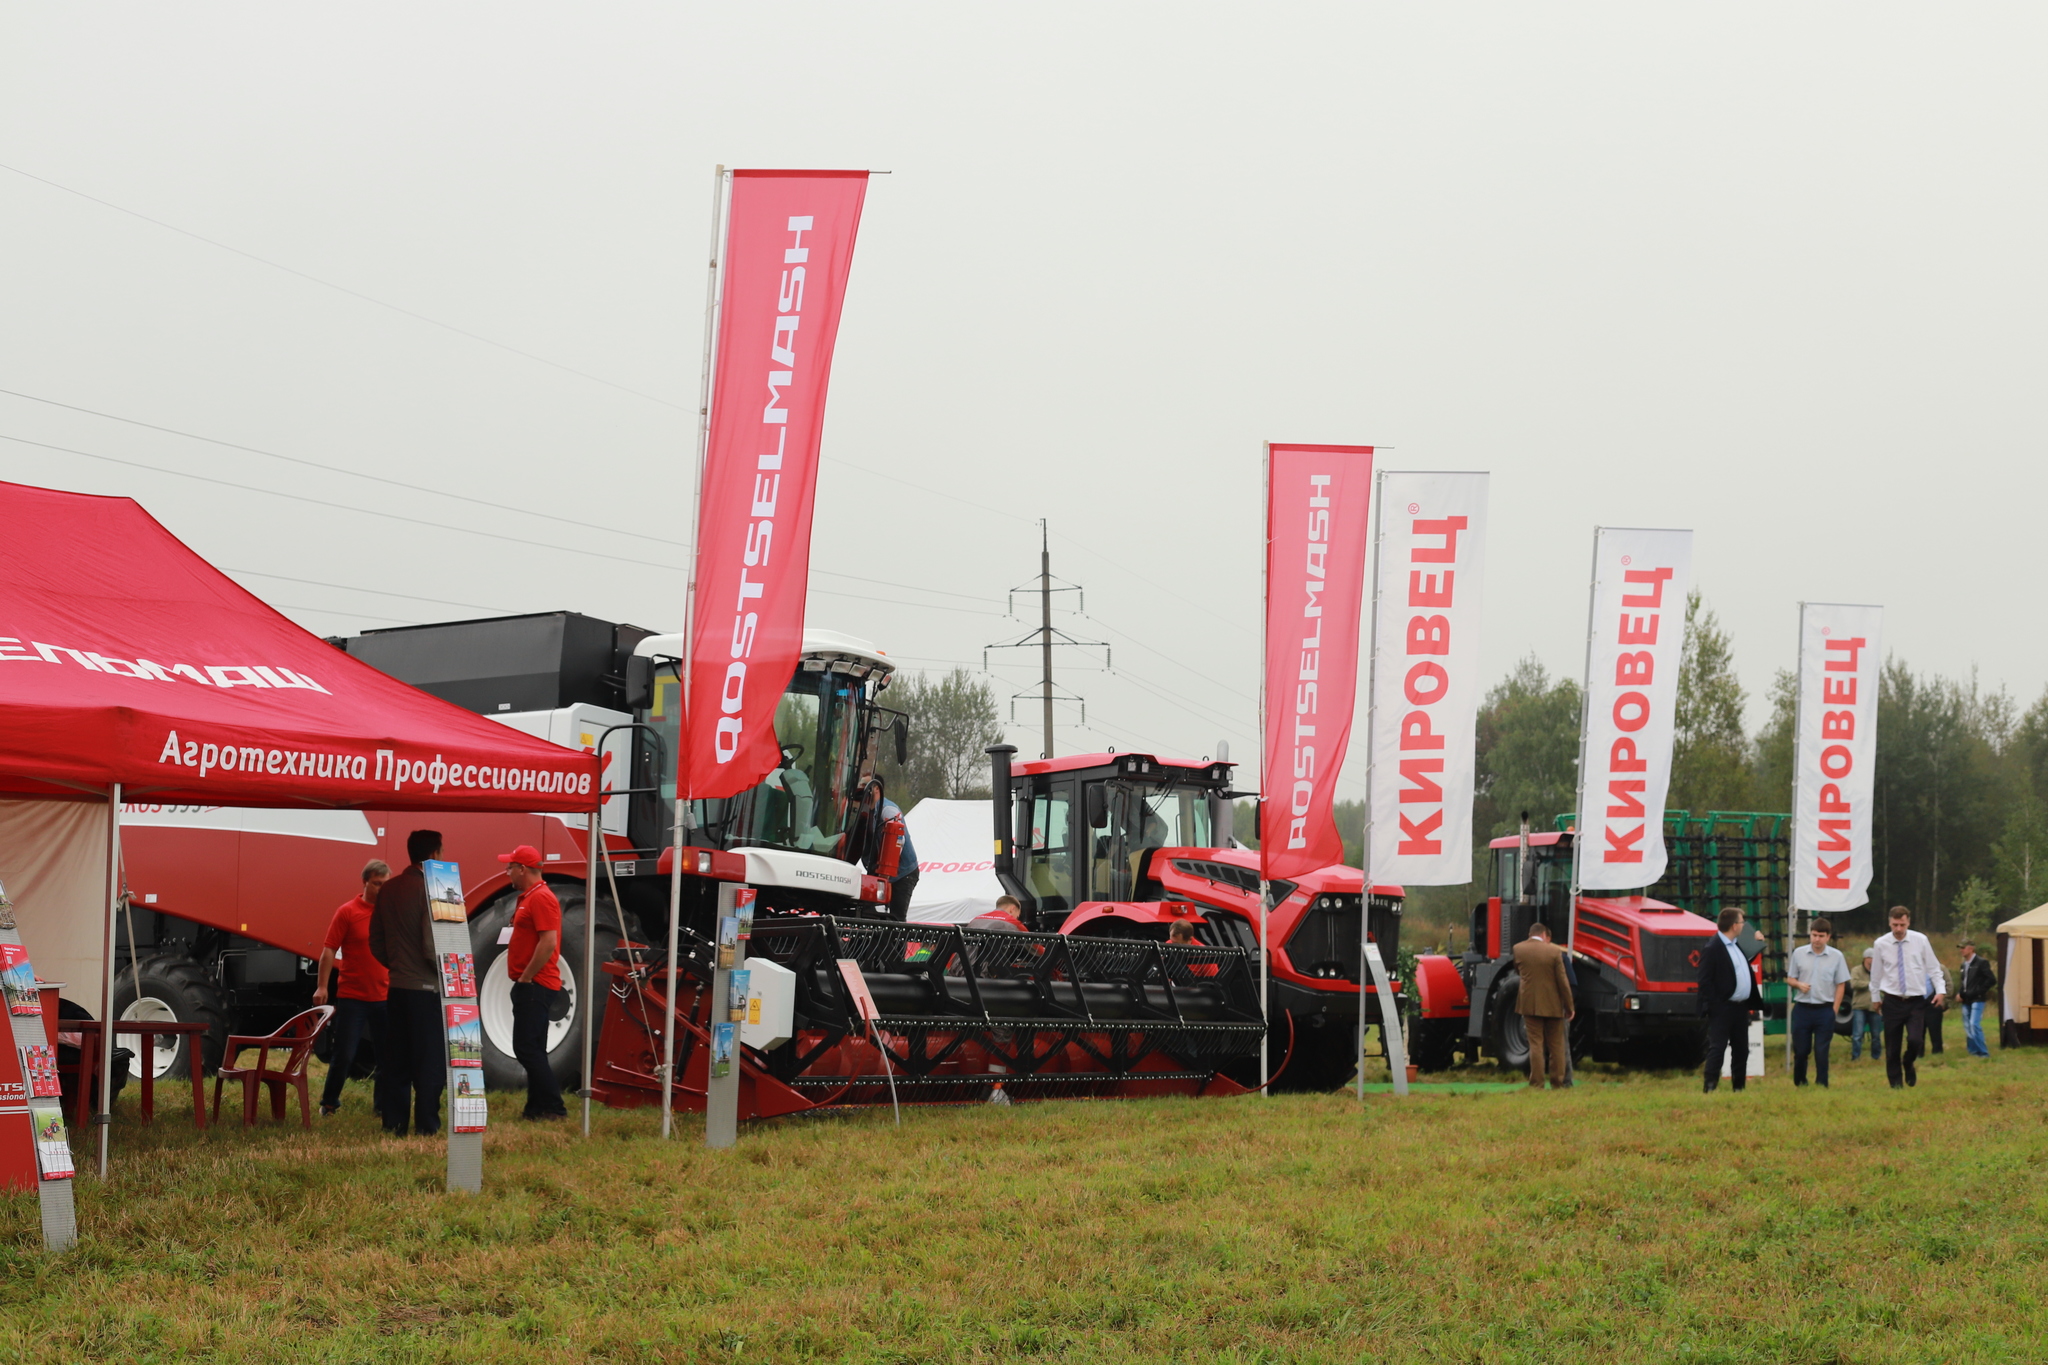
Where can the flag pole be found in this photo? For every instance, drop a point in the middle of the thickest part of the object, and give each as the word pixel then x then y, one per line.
pixel 1379 545
pixel 194 1053
pixel 675 881
pixel 1265 778
pixel 1792 827
pixel 1585 728
pixel 594 850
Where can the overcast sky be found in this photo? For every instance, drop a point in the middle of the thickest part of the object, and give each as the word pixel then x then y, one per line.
pixel 1772 273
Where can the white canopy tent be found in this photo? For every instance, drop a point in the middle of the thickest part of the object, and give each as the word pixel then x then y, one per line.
pixel 2022 941
pixel 956 878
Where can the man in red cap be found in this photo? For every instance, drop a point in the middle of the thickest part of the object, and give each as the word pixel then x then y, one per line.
pixel 532 958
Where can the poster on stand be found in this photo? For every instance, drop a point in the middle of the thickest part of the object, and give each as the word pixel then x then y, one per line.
pixel 1425 675
pixel 736 988
pixel 465 1035
pixel 1636 636
pixel 1834 770
pixel 722 1036
pixel 444 892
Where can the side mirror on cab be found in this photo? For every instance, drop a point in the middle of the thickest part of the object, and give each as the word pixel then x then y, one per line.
pixel 1095 798
pixel 639 682
pixel 902 741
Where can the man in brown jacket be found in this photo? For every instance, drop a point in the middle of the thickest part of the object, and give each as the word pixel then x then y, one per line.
pixel 402 938
pixel 1545 1004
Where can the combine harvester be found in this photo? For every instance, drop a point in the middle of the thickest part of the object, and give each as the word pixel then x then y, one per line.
pixel 229 907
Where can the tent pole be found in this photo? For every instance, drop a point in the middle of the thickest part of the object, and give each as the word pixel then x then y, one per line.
pixel 105 1118
pixel 591 854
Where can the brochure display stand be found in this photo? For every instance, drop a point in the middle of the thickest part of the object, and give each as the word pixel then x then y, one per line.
pixel 468 1111
pixel 37 1148
pixel 728 985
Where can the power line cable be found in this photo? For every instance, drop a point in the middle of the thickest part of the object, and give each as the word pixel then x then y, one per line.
pixel 344 289
pixel 374 592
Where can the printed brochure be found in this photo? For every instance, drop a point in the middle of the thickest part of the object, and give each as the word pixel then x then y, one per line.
pixel 736 987
pixel 465 1036
pixel 444 892
pixel 18 980
pixel 458 976
pixel 472 1114
pixel 53 1149
pixel 39 1071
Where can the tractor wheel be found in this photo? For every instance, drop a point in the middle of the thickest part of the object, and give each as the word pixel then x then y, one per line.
pixel 1509 1036
pixel 1323 1060
pixel 174 987
pixel 494 985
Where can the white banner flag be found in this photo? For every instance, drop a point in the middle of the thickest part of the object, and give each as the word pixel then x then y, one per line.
pixel 1837 755
pixel 1425 681
pixel 1640 579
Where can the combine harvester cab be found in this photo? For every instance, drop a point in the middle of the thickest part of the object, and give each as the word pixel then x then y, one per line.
pixel 1637 954
pixel 1122 846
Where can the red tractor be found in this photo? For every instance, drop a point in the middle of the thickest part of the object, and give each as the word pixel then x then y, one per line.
pixel 1636 961
pixel 1123 845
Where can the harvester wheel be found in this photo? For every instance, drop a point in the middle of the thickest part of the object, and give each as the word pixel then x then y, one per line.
pixel 1508 1036
pixel 494 985
pixel 174 987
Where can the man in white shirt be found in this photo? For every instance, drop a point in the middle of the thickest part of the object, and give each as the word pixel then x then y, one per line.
pixel 1906 977
pixel 1817 974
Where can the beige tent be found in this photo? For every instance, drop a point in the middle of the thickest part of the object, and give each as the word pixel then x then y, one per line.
pixel 2022 943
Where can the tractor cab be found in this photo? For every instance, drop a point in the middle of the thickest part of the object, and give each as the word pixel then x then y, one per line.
pixel 1086 827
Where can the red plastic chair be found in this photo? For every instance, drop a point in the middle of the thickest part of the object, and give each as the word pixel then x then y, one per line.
pixel 295 1041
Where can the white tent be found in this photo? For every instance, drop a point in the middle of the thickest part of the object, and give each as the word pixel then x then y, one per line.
pixel 2021 946
pixel 956 877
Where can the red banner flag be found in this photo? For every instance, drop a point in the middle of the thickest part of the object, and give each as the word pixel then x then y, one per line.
pixel 788 248
pixel 1318 529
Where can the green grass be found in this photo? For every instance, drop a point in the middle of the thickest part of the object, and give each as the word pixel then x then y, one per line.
pixel 1628 1220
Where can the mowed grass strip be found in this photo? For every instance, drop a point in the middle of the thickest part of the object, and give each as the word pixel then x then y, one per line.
pixel 1630 1219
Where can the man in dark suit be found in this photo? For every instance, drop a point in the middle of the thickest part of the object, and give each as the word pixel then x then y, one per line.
pixel 1728 997
pixel 402 938
pixel 1545 1004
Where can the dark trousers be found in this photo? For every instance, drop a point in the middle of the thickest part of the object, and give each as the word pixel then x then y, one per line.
pixel 530 1003
pixel 1905 1033
pixel 1934 1028
pixel 419 1062
pixel 1728 1034
pixel 353 1021
pixel 1813 1030
pixel 899 895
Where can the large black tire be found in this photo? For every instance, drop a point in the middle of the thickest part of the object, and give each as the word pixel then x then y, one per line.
pixel 1508 1035
pixel 1324 1058
pixel 174 987
pixel 494 985
pixel 1433 1043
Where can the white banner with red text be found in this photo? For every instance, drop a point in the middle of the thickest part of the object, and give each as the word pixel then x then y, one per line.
pixel 1640 579
pixel 1836 758
pixel 1425 672
pixel 1318 524
pixel 788 249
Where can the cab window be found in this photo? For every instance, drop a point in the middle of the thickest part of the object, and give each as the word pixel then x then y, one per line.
pixel 1048 850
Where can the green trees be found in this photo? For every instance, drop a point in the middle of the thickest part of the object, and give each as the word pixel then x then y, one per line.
pixel 953 720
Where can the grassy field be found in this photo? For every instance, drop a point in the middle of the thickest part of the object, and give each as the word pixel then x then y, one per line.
pixel 1628 1220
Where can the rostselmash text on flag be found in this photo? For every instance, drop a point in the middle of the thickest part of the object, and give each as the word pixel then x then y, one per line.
pixel 1836 759
pixel 1318 521
pixel 788 249
pixel 1425 675
pixel 1640 579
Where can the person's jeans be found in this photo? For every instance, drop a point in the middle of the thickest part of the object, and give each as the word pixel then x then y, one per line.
pixel 1813 1030
pixel 353 1021
pixel 1905 1035
pixel 1860 1023
pixel 1728 1036
pixel 1973 1028
pixel 419 1062
pixel 530 1003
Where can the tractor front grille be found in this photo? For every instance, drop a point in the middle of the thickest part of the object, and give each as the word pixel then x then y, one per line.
pixel 1672 958
pixel 1325 943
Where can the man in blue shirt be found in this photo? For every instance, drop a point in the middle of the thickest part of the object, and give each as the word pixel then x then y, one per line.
pixel 1728 997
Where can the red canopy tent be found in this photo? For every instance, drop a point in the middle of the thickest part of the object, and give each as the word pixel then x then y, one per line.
pixel 131 669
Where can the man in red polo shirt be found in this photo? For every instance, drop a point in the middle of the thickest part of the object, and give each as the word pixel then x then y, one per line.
pixel 532 958
pixel 364 984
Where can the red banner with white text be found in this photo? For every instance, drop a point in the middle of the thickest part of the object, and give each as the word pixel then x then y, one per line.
pixel 788 249
pixel 1318 528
